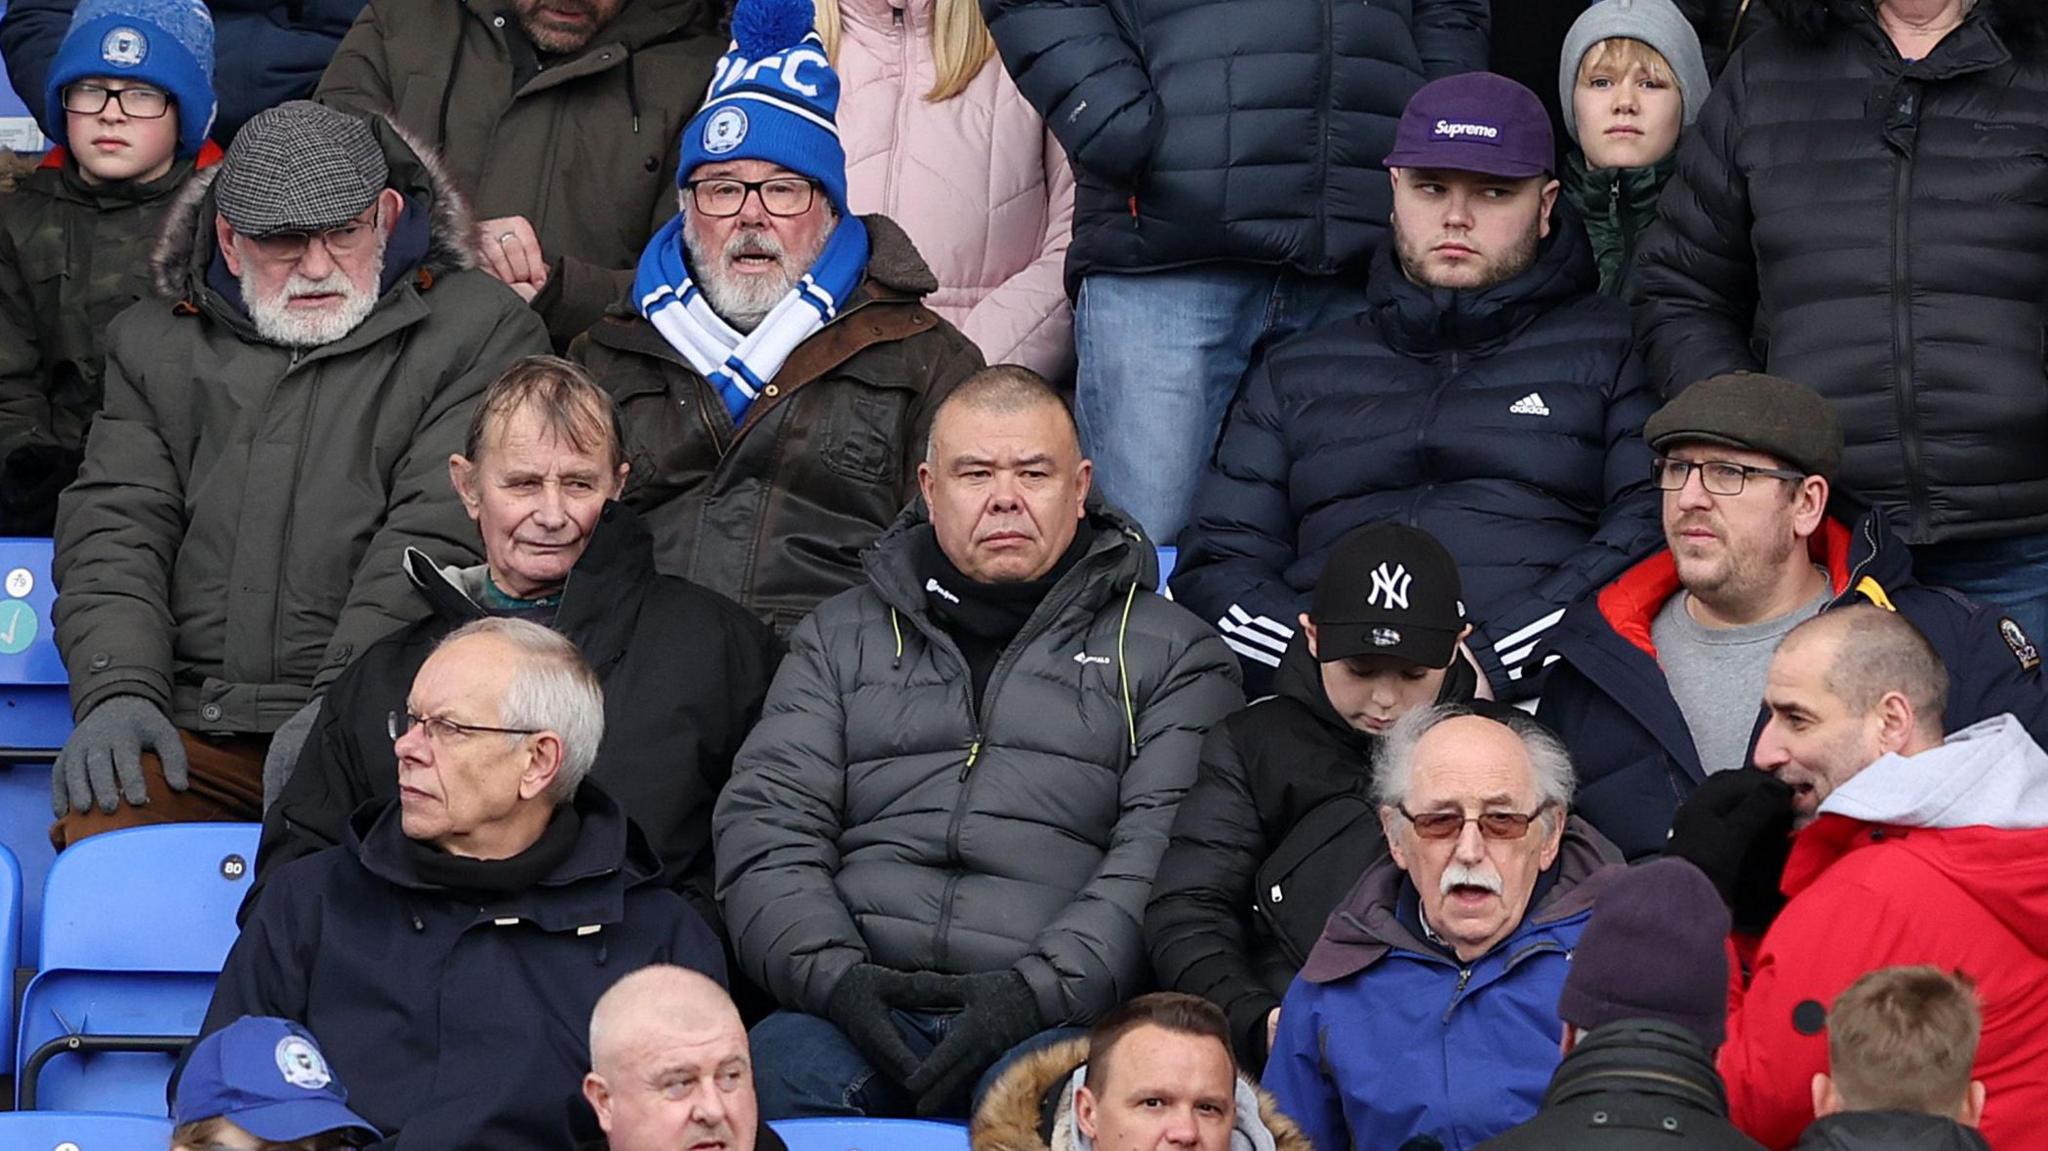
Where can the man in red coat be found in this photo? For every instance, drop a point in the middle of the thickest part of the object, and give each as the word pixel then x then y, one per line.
pixel 1908 848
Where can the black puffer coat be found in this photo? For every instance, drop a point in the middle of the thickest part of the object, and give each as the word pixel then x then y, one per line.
pixel 1245 130
pixel 1279 825
pixel 1505 422
pixel 1633 1085
pixel 878 815
pixel 1876 229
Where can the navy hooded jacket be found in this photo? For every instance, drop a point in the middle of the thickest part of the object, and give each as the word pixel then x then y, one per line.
pixel 1506 422
pixel 1606 697
pixel 458 1027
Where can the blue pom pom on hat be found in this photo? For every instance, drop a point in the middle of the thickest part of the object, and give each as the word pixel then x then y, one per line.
pixel 775 97
pixel 166 43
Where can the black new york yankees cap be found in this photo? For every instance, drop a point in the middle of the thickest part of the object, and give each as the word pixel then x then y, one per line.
pixel 1388 589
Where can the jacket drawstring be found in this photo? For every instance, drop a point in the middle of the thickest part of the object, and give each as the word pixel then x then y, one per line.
pixel 1123 671
pixel 896 626
pixel 632 93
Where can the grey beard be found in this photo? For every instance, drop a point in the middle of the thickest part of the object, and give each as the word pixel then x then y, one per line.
pixel 744 301
pixel 276 323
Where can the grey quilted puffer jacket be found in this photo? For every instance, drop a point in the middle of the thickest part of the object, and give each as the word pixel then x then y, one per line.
pixel 873 816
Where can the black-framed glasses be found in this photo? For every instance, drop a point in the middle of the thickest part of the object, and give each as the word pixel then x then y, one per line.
pixel 141 103
pixel 290 247
pixel 441 730
pixel 780 195
pixel 1503 825
pixel 1719 477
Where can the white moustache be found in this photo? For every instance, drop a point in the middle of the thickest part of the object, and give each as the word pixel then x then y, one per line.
pixel 1459 875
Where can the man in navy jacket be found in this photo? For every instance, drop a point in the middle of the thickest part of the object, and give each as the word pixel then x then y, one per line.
pixel 1488 395
pixel 448 955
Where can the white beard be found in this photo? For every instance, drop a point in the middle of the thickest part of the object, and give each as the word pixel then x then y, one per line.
pixel 280 325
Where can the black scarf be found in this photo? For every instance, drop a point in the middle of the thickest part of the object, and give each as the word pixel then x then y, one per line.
pixel 500 876
pixel 984 617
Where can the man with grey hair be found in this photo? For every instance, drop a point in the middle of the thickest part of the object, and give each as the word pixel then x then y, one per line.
pixel 273 441
pixel 449 953
pixel 1429 1006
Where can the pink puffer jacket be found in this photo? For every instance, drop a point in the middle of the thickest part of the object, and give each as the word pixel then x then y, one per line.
pixel 983 189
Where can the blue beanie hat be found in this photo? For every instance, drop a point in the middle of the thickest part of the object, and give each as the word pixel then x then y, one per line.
pixel 167 43
pixel 774 97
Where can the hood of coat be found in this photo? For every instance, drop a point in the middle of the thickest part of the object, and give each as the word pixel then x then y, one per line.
pixel 894 262
pixel 1418 321
pixel 1364 927
pixel 1031 1108
pixel 1119 556
pixel 1889 1131
pixel 185 247
pixel 1641 1057
pixel 611 856
pixel 2013 21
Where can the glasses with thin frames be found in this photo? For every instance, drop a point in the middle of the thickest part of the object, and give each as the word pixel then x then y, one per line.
pixel 1502 825
pixel 440 730
pixel 290 247
pixel 136 103
pixel 780 196
pixel 1719 477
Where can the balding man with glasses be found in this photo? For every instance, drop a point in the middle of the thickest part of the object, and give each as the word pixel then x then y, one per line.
pixel 1428 1010
pixel 775 364
pixel 448 954
pixel 1658 680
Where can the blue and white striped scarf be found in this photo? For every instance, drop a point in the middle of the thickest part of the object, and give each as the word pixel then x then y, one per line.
pixel 740 365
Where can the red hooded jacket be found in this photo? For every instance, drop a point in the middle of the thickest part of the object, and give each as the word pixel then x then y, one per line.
pixel 1938 858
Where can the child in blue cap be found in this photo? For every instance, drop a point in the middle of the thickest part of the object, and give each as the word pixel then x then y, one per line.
pixel 261 1084
pixel 130 100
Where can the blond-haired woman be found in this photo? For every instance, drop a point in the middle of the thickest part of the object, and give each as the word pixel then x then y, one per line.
pixel 939 139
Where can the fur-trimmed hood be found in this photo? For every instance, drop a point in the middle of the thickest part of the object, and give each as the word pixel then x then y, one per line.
pixel 1031 1108
pixel 2015 20
pixel 185 246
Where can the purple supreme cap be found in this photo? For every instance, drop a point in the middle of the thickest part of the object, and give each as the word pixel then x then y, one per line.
pixel 1475 122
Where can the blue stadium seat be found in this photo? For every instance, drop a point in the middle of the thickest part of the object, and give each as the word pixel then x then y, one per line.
pixel 136 925
pixel 82 1131
pixel 10 938
pixel 870 1135
pixel 35 717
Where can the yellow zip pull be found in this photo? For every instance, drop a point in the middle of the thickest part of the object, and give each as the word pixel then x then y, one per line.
pixel 973 752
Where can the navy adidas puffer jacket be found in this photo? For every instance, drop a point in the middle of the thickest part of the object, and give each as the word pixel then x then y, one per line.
pixel 1506 422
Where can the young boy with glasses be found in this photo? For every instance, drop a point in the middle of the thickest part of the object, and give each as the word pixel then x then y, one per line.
pixel 130 101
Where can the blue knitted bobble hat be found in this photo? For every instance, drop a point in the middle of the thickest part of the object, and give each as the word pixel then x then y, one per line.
pixel 774 97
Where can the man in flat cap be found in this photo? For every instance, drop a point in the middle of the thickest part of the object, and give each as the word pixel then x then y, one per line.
pixel 1659 678
pixel 275 436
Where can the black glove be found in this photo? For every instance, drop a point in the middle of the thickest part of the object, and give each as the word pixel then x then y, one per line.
pixel 30 481
pixel 998 1011
pixel 1737 828
pixel 861 1006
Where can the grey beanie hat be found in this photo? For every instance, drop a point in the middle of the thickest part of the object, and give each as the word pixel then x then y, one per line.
pixel 1657 23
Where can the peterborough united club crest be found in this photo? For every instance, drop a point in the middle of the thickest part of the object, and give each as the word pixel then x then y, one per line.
pixel 724 131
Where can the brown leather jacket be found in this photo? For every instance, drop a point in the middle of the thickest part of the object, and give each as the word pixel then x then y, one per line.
pixel 775 512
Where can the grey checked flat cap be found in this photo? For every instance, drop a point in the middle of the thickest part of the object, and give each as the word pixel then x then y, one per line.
pixel 299 167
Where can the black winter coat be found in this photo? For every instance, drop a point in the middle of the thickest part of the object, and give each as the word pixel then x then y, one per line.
pixel 1607 699
pixel 1635 1085
pixel 1241 130
pixel 1889 1131
pixel 1723 26
pixel 684 673
pixel 1506 422
pixel 458 1027
pixel 1878 230
pixel 1278 826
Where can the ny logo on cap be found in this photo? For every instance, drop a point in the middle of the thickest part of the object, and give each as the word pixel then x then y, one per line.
pixel 1392 584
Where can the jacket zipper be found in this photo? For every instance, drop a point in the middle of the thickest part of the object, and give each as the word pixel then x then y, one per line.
pixel 904 56
pixel 1542 947
pixel 1327 63
pixel 1902 319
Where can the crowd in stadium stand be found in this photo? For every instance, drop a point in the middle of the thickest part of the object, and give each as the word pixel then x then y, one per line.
pixel 662 509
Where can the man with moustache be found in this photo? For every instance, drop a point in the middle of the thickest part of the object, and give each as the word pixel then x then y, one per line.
pixel 1657 679
pixel 1488 395
pixel 561 118
pixel 275 438
pixel 777 371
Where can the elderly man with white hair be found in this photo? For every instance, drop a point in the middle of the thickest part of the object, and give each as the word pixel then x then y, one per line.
pixel 449 953
pixel 1429 1006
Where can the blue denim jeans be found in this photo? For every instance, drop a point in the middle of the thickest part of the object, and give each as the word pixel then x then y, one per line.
pixel 2011 573
pixel 804 1067
pixel 1161 356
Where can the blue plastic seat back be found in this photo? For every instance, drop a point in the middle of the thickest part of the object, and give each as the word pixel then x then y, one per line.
pixel 10 937
pixel 61 1004
pixel 870 1135
pixel 1168 557
pixel 82 1131
pixel 35 715
pixel 159 898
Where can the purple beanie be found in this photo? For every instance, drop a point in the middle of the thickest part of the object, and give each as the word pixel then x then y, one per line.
pixel 1655 948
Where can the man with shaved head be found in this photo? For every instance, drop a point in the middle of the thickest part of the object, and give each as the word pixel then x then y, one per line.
pixel 669 1067
pixel 938 843
pixel 1910 849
